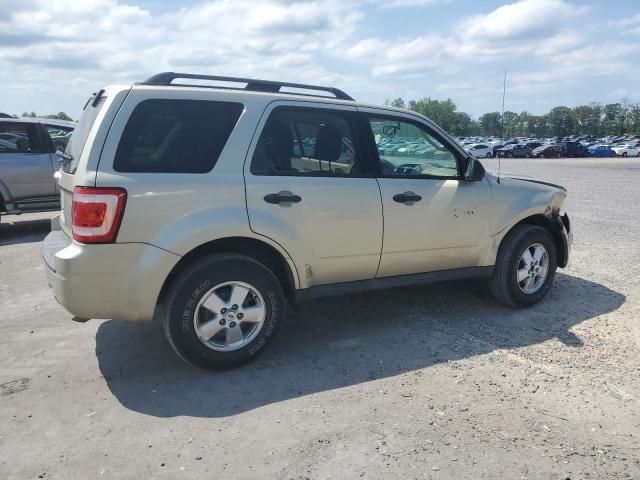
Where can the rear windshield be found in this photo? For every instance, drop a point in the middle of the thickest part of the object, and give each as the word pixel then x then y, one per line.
pixel 176 136
pixel 78 138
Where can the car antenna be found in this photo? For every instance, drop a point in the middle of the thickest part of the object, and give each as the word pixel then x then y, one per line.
pixel 504 93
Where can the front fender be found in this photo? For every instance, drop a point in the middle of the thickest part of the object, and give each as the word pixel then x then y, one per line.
pixel 516 200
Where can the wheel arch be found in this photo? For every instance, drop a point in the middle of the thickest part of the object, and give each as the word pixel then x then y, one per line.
pixel 541 220
pixel 257 249
pixel 5 197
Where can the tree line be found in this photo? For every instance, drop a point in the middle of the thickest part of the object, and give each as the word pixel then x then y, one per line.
pixel 55 116
pixel 593 119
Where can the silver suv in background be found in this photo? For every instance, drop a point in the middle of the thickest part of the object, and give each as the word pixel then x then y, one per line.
pixel 28 161
pixel 223 202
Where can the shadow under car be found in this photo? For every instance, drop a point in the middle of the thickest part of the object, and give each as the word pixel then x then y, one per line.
pixel 342 341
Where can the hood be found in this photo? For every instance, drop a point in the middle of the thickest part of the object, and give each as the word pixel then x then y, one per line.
pixel 533 180
pixel 518 178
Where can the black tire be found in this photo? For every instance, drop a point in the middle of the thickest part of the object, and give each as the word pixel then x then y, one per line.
pixel 504 284
pixel 194 282
pixel 624 154
pixel 488 155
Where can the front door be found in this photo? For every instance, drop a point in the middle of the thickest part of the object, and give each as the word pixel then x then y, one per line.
pixel 433 218
pixel 307 190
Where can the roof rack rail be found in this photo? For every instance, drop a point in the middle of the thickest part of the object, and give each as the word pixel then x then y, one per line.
pixel 166 78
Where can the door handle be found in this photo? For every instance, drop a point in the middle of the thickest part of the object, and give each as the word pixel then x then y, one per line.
pixel 282 197
pixel 407 198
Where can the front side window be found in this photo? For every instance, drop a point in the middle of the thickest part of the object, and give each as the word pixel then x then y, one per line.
pixel 176 136
pixel 19 138
pixel 407 149
pixel 306 142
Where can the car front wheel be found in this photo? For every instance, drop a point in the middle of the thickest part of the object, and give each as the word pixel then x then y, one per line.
pixel 525 267
pixel 223 310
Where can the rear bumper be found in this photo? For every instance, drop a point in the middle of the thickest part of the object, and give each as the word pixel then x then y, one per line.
pixel 120 281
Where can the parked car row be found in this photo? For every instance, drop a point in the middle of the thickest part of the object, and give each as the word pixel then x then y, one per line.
pixel 483 147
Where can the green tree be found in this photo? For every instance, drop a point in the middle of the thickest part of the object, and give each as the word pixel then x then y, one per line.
pixel 491 123
pixel 398 103
pixel 633 119
pixel 463 124
pixel 54 116
pixel 614 118
pixel 523 124
pixel 587 119
pixel 443 112
pixel 510 124
pixel 561 121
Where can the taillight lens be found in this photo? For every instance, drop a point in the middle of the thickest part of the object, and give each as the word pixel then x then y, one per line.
pixel 96 214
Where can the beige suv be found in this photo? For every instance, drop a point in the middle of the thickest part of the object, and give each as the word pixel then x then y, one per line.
pixel 221 202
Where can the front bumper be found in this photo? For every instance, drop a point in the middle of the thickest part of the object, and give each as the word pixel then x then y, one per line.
pixel 120 281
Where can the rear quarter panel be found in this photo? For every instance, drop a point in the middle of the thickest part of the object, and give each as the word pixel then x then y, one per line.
pixel 180 212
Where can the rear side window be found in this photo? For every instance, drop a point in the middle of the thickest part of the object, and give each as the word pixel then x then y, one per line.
pixel 176 136
pixel 20 138
pixel 306 142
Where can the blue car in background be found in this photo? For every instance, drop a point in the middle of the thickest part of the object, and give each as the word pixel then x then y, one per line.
pixel 601 151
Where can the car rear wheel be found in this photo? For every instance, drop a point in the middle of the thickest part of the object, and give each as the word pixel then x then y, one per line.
pixel 525 267
pixel 624 154
pixel 526 155
pixel 223 310
pixel 488 155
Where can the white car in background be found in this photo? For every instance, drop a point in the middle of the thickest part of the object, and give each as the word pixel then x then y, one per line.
pixel 480 150
pixel 626 151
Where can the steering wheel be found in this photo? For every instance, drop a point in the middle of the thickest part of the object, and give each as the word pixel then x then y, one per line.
pixel 387 167
pixel 408 169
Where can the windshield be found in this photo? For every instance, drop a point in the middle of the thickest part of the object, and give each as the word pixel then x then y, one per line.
pixel 79 136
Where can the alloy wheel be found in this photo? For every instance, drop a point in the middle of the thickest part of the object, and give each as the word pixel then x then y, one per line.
pixel 533 268
pixel 229 316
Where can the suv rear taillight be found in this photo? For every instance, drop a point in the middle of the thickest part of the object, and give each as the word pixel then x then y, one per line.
pixel 96 214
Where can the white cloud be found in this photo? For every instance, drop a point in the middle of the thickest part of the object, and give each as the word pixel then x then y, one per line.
pixel 521 21
pixel 627 25
pixel 409 3
pixel 58 51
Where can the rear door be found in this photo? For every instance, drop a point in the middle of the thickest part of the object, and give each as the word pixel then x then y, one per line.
pixel 26 167
pixel 308 190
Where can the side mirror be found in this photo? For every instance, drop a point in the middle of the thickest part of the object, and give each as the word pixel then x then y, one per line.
pixel 475 171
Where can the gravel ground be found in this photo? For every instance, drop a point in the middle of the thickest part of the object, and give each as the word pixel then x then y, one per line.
pixel 429 382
